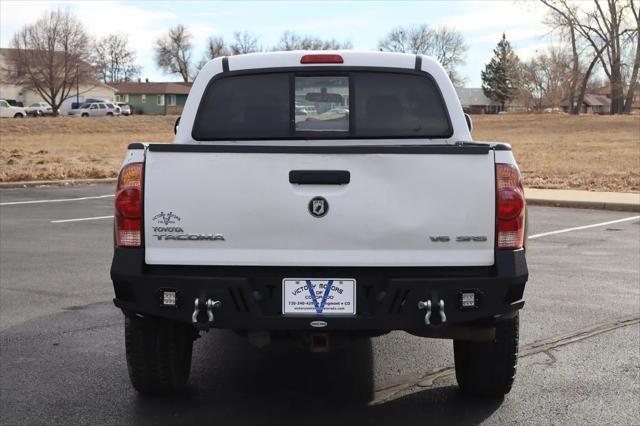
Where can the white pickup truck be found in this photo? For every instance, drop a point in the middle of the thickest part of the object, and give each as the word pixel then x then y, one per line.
pixel 323 196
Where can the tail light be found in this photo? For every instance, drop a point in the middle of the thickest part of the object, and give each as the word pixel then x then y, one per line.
pixel 510 208
pixel 128 215
pixel 321 59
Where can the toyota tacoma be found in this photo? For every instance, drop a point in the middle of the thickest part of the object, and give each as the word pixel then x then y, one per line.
pixel 322 196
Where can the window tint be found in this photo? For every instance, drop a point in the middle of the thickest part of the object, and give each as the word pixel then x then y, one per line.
pixel 243 107
pixel 102 106
pixel 263 106
pixel 396 105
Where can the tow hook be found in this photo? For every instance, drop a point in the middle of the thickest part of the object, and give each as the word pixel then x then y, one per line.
pixel 209 305
pixel 427 317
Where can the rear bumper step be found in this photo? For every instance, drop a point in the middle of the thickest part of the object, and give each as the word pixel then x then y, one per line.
pixel 250 298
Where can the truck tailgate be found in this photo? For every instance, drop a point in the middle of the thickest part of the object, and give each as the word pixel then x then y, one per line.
pixel 399 209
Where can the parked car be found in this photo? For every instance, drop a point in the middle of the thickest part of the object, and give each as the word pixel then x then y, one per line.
pixel 385 222
pixel 38 109
pixel 95 109
pixel 7 110
pixel 339 110
pixel 125 109
pixel 118 110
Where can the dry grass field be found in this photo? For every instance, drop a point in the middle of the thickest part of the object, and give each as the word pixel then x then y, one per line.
pixel 73 147
pixel 592 152
pixel 597 153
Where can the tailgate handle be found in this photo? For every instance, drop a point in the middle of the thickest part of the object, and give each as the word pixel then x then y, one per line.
pixel 319 177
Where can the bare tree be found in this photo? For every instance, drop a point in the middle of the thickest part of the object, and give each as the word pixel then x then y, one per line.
pixel 292 41
pixel 173 52
pixel 51 57
pixel 546 75
pixel 564 18
pixel 564 25
pixel 606 29
pixel 532 81
pixel 444 44
pixel 449 49
pixel 607 26
pixel 414 39
pixel 114 60
pixel 216 47
pixel 244 42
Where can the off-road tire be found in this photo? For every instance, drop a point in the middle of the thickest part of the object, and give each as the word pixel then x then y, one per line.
pixel 487 369
pixel 18 115
pixel 109 114
pixel 85 115
pixel 158 354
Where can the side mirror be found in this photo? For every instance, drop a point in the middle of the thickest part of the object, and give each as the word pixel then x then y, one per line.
pixel 175 126
pixel 469 122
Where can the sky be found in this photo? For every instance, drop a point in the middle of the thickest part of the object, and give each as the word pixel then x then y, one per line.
pixel 363 23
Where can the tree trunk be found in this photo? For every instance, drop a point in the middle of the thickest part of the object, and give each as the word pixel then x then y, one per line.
pixel 617 86
pixel 583 86
pixel 617 90
pixel 574 108
pixel 633 83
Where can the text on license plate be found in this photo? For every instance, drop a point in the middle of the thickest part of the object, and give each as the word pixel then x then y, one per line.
pixel 319 296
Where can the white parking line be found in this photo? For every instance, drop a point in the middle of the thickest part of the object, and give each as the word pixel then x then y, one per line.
pixel 577 228
pixel 14 203
pixel 531 237
pixel 82 219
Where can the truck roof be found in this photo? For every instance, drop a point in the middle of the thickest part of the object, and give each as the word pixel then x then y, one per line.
pixel 350 58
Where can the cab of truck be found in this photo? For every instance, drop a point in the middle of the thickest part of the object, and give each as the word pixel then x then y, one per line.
pixel 327 196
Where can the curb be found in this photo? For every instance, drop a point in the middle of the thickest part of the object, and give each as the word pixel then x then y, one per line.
pixel 599 205
pixel 532 201
pixel 61 182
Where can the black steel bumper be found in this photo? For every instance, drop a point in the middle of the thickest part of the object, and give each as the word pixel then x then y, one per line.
pixel 386 297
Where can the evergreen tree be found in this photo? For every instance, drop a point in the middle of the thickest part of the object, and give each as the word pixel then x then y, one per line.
pixel 500 75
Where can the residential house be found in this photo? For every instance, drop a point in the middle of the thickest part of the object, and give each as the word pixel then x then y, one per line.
pixel 14 93
pixel 635 104
pixel 153 98
pixel 474 101
pixel 591 104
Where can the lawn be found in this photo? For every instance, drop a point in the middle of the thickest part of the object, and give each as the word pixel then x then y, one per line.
pixel 592 152
pixel 596 153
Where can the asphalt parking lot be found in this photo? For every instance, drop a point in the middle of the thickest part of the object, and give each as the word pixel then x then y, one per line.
pixel 62 345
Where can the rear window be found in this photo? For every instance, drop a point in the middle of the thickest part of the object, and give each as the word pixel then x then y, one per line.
pixel 244 107
pixel 351 104
pixel 398 105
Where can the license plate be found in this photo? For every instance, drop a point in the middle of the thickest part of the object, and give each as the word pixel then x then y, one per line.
pixel 319 296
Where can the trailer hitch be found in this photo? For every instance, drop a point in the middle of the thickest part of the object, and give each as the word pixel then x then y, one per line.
pixel 209 306
pixel 427 317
